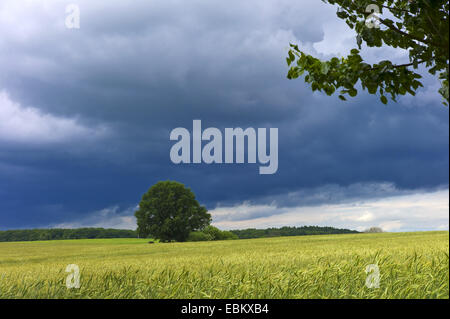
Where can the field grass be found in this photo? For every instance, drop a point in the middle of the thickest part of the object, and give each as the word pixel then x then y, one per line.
pixel 412 265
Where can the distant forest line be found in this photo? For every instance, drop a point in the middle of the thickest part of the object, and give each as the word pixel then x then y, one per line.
pixel 290 231
pixel 92 233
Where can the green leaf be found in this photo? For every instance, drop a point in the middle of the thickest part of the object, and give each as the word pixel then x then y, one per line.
pixel 291 56
pixel 359 41
pixel 324 68
pixel 352 92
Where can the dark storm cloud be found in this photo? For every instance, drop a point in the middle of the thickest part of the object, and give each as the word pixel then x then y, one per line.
pixel 134 72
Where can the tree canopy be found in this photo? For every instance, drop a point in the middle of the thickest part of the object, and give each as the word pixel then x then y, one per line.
pixel 419 26
pixel 169 211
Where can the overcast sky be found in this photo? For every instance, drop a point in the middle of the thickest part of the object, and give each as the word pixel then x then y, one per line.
pixel 85 118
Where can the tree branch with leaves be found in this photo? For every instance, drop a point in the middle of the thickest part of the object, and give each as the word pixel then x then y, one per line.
pixel 421 27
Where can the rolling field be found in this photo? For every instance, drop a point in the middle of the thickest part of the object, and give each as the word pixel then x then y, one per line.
pixel 411 265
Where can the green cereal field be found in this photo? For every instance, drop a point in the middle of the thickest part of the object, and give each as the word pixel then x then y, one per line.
pixel 411 265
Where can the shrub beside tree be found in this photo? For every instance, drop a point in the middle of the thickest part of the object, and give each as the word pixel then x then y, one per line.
pixel 211 233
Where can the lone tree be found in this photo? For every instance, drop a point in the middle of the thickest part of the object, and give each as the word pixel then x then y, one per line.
pixel 169 211
pixel 419 26
pixel 374 230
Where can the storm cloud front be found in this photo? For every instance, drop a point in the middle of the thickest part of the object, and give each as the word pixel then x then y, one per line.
pixel 86 115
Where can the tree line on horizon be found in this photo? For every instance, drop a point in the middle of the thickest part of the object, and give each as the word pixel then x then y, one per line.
pixel 98 233
pixel 290 231
pixel 64 233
